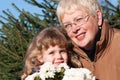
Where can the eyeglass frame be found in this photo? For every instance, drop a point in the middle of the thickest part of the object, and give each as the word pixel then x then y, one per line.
pixel 77 21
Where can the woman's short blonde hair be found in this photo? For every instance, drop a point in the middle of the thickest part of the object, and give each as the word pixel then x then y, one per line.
pixel 69 6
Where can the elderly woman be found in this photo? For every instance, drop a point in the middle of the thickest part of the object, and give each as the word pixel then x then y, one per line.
pixel 95 42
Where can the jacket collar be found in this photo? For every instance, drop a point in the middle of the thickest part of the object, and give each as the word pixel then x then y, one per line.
pixel 105 39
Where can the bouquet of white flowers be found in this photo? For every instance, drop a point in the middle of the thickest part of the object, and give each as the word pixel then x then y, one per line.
pixel 62 72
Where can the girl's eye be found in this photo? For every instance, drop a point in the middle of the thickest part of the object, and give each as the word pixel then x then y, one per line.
pixel 51 53
pixel 63 51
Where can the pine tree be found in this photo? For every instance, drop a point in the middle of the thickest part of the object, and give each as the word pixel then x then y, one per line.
pixel 112 13
pixel 16 34
pixel 48 9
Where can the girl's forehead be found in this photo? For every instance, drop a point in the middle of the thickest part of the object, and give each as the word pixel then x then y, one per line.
pixel 52 48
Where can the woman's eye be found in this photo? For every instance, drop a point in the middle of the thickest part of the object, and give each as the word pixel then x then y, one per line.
pixel 67 25
pixel 79 19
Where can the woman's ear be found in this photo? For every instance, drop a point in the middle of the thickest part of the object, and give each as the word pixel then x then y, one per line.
pixel 99 16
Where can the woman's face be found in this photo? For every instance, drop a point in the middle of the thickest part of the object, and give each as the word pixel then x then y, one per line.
pixel 82 27
pixel 56 55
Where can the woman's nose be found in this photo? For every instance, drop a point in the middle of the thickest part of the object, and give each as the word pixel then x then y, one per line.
pixel 75 28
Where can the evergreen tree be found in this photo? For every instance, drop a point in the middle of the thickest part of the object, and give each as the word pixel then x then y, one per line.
pixel 16 34
pixel 48 9
pixel 112 13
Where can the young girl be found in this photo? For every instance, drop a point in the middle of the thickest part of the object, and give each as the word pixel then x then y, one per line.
pixel 49 45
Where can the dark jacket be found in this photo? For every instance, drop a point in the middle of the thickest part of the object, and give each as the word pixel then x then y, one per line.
pixel 106 64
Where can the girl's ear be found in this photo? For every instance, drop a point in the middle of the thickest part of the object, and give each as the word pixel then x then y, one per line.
pixel 99 15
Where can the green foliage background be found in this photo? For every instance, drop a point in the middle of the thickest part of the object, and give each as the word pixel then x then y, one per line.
pixel 16 33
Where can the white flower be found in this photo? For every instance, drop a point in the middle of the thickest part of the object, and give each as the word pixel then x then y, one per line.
pixel 62 65
pixel 78 74
pixel 47 71
pixel 31 77
pixel 88 74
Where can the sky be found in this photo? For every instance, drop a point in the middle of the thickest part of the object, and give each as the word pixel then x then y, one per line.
pixel 21 4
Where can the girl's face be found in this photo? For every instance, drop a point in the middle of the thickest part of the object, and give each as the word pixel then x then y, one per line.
pixel 55 54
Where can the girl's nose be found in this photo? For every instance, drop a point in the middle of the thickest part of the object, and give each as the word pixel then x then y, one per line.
pixel 58 56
